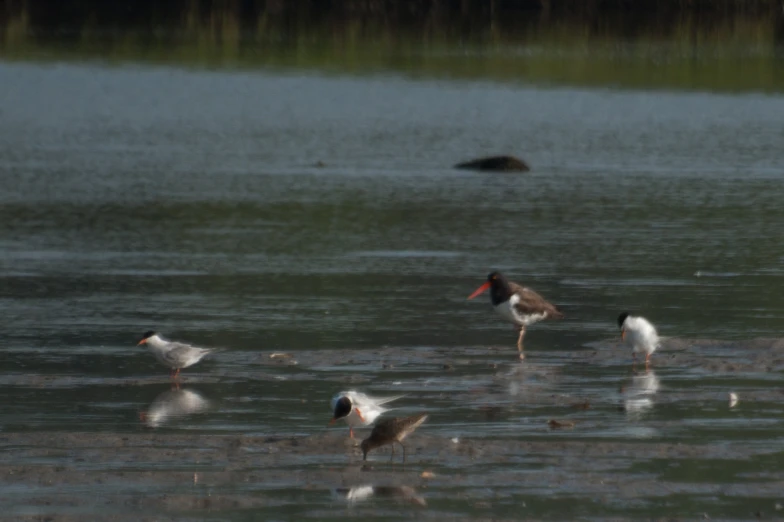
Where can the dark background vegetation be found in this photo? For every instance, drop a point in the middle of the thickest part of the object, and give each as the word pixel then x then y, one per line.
pixel 49 18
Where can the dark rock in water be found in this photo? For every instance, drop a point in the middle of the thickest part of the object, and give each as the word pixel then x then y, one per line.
pixel 495 163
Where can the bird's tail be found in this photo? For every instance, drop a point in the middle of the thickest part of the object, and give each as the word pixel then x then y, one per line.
pixel 384 400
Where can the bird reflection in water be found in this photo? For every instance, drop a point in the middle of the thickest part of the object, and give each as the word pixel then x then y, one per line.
pixel 403 494
pixel 172 405
pixel 638 393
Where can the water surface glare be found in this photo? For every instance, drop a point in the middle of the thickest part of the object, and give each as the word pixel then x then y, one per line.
pixel 269 211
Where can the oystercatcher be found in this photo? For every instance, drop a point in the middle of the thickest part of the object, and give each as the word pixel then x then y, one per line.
pixel 517 304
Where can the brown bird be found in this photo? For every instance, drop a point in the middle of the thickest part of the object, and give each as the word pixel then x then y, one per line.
pixel 391 431
pixel 517 304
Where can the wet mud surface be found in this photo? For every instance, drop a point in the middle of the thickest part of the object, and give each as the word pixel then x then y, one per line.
pixel 505 440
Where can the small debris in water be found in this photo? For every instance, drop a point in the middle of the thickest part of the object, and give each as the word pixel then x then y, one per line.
pixel 455 440
pixel 427 475
pixel 733 399
pixel 555 424
pixel 447 367
pixel 582 405
pixel 387 366
pixel 195 478
pixel 280 356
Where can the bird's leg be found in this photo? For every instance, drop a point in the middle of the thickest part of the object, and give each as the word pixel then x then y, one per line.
pixel 634 361
pixel 647 361
pixel 520 343
pixel 177 373
pixel 392 456
pixel 404 451
pixel 351 432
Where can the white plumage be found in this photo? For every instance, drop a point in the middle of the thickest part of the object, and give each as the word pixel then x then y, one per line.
pixel 364 410
pixel 172 354
pixel 638 334
pixel 508 311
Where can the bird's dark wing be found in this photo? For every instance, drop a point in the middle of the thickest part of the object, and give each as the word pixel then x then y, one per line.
pixel 531 303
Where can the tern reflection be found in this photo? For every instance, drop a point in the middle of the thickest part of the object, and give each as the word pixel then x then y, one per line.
pixel 363 493
pixel 172 405
pixel 638 393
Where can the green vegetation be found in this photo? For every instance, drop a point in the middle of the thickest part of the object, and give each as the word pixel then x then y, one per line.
pixel 722 45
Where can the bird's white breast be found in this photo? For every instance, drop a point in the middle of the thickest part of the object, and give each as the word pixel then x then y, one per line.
pixel 508 312
pixel 640 335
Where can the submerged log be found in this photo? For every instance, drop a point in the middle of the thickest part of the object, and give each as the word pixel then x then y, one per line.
pixel 495 163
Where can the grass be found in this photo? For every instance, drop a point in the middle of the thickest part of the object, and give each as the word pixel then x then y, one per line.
pixel 685 50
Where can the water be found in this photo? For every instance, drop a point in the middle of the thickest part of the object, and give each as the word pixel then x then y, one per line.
pixel 285 210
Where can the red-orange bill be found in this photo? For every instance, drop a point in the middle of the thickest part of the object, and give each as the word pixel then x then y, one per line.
pixel 480 290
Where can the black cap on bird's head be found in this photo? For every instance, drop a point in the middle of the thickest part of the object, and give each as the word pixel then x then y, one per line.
pixel 147 335
pixel 497 282
pixel 342 408
pixel 622 318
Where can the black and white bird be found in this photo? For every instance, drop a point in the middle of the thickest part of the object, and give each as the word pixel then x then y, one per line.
pixel 517 304
pixel 172 354
pixel 639 335
pixel 358 409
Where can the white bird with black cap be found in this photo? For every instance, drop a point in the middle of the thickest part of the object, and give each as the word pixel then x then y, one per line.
pixel 358 409
pixel 173 354
pixel 638 334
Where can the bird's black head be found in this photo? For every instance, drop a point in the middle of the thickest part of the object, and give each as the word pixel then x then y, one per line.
pixel 622 318
pixel 148 334
pixel 500 290
pixel 342 408
pixel 495 277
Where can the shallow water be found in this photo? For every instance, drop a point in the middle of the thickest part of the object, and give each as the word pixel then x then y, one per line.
pixel 193 202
